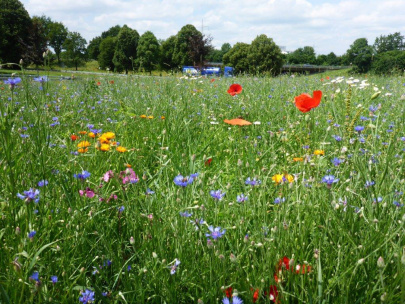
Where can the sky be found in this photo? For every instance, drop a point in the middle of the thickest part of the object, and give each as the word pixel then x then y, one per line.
pixel 327 26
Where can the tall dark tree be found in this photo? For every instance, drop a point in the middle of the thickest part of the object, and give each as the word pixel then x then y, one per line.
pixel 111 32
pixel 75 49
pixel 125 52
pixel 148 52
pixel 265 56
pixel 93 49
pixel 107 50
pixel 191 46
pixel 15 23
pixel 391 42
pixel 38 41
pixel 58 33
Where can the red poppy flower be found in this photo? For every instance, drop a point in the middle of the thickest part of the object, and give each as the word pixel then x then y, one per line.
pixel 235 89
pixel 305 102
pixel 272 293
pixel 228 292
pixel 73 137
pixel 212 79
pixel 208 161
pixel 255 295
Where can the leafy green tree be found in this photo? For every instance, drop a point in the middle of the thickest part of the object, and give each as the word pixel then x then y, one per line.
pixel 93 49
pixel 217 55
pixel 75 49
pixel 237 57
pixel 37 42
pixel 167 49
pixel 148 52
pixel 15 23
pixel 265 56
pixel 390 42
pixel 360 55
pixel 125 52
pixel 107 50
pixel 305 55
pixel 58 33
pixel 111 32
pixel 389 62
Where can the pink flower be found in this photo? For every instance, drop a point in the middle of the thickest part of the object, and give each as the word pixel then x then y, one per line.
pixel 129 176
pixel 108 175
pixel 88 192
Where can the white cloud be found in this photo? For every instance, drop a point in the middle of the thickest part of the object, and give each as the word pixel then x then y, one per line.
pixel 328 26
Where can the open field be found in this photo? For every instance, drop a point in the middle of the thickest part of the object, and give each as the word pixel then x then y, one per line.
pixel 294 208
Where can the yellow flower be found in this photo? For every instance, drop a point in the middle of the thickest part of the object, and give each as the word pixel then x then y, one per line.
pixel 108 135
pixel 143 116
pixel 121 149
pixel 103 140
pixel 83 144
pixel 281 178
pixel 81 150
pixel 319 152
pixel 162 117
pixel 92 135
pixel 150 117
pixel 82 132
pixel 298 159
pixel 104 147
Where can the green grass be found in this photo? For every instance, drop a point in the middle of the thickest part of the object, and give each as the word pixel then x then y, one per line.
pixel 337 232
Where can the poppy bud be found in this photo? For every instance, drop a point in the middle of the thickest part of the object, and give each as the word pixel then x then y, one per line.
pixel 131 240
pixel 21 62
pixel 375 95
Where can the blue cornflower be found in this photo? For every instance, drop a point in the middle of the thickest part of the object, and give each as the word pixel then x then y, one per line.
pixel 186 214
pixel 337 137
pixel 241 198
pixel 31 234
pixel 183 181
pixel 279 200
pixel 329 180
pixel 197 223
pixel 373 108
pixel 35 276
pixel 217 194
pixel 12 82
pixel 42 183
pixel 41 79
pixel 235 300
pixel 96 131
pixel 215 232
pixel 369 184
pixel 87 296
pixel 85 174
pixel 398 204
pixel 149 192
pixel 173 268
pixel 358 129
pixel 54 279
pixel 121 209
pixel 252 182
pixel 30 195
pixel 337 161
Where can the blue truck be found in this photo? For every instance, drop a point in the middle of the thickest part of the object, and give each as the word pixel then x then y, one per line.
pixel 208 71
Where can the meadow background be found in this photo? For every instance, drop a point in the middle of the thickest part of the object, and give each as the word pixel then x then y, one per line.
pixel 79 234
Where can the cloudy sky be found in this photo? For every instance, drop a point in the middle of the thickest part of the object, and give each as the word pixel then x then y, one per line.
pixel 328 26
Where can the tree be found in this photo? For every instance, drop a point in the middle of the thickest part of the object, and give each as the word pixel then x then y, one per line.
pixel 191 46
pixel 37 42
pixel 237 57
pixel 75 49
pixel 217 55
pixel 93 49
pixel 360 54
pixel 111 32
pixel 58 33
pixel 107 50
pixel 167 49
pixel 148 52
pixel 391 42
pixel 265 56
pixel 389 62
pixel 305 55
pixel 125 53
pixel 14 28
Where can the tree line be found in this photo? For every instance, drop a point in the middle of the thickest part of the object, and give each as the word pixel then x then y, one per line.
pixel 122 49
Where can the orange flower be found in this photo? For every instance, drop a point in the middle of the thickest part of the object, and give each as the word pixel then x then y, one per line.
pixel 237 122
pixel 143 116
pixel 150 117
pixel 81 150
pixel 83 144
pixel 319 152
pixel 235 89
pixel 82 132
pixel 104 147
pixel 73 137
pixel 98 83
pixel 103 140
pixel 162 117
pixel 108 135
pixel 111 81
pixel 121 149
pixel 92 135
pixel 128 166
pixel 305 102
pixel 298 159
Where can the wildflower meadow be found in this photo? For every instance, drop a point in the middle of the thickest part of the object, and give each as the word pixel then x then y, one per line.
pixel 130 189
